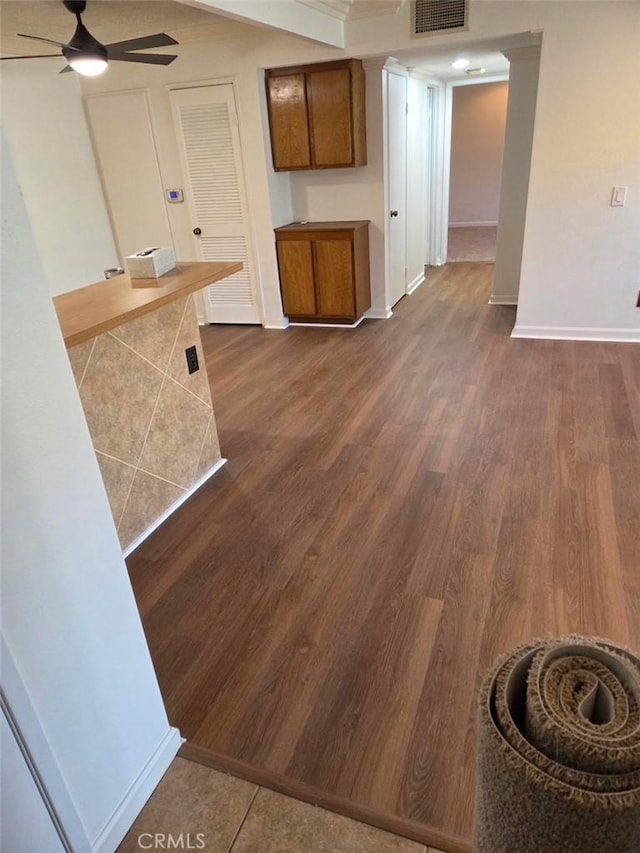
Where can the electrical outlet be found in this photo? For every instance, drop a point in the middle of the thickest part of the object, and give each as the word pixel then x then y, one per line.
pixel 192 359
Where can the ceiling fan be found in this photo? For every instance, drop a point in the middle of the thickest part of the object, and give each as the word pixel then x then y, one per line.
pixel 86 55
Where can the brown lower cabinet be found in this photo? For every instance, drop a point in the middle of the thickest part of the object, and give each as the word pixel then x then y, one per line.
pixel 324 270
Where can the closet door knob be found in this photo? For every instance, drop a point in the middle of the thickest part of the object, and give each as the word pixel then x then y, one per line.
pixel 394 213
pixel 197 231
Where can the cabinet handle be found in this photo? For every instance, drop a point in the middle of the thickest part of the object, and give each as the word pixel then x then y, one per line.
pixel 197 231
pixel 394 213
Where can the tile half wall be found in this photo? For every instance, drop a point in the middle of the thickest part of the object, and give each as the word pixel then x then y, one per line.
pixel 151 422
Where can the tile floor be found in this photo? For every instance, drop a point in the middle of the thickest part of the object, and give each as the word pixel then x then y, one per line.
pixel 217 813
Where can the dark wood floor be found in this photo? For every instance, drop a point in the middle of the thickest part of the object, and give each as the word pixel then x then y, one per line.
pixel 402 503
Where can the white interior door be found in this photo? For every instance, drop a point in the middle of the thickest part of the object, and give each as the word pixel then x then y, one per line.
pixel 397 213
pixel 125 147
pixel 206 126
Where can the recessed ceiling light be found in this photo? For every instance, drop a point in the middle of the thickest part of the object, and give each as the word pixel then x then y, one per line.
pixel 474 72
pixel 459 64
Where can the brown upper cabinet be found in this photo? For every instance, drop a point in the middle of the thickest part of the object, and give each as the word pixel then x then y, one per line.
pixel 317 115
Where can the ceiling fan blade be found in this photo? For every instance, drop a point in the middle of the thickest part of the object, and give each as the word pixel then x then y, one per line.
pixel 66 69
pixel 39 38
pixel 32 56
pixel 156 40
pixel 147 58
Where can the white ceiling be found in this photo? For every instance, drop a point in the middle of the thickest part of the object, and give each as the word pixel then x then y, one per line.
pixel 437 60
pixel 486 53
pixel 107 20
pixel 114 20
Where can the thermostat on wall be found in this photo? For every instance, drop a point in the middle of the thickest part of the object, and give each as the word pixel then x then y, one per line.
pixel 175 196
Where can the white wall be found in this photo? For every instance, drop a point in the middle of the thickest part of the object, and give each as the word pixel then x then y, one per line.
pixel 44 121
pixel 281 205
pixel 279 182
pixel 69 617
pixel 581 258
pixel 358 193
pixel 418 190
pixel 288 15
pixel 477 139
pixel 520 120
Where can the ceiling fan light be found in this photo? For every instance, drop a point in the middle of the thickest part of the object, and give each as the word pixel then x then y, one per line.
pixel 85 54
pixel 88 66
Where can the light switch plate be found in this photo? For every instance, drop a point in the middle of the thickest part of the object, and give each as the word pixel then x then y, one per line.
pixel 618 196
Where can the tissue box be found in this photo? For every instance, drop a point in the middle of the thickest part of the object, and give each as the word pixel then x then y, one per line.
pixel 151 263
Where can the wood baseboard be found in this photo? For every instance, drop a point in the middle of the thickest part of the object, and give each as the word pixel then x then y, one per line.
pixel 403 827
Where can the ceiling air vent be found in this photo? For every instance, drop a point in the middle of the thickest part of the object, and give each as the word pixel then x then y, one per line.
pixel 430 17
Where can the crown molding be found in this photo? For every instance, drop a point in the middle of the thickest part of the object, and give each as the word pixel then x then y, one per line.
pixel 376 63
pixel 420 74
pixel 349 10
pixel 513 54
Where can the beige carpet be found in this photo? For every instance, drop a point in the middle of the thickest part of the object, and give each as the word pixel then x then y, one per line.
pixel 474 243
pixel 559 751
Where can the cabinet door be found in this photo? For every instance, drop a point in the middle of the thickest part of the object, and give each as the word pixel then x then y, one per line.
pixel 295 261
pixel 330 117
pixel 288 120
pixel 334 278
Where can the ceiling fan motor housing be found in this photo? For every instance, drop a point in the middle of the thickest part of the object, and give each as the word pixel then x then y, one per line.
pixel 84 44
pixel 76 7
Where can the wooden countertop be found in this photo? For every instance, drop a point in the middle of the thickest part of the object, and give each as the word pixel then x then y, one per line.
pixel 85 313
pixel 347 225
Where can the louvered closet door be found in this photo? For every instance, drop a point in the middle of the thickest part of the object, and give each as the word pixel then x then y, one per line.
pixel 207 130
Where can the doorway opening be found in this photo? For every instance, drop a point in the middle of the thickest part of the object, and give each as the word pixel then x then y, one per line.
pixel 474 124
pixel 478 120
pixel 513 61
